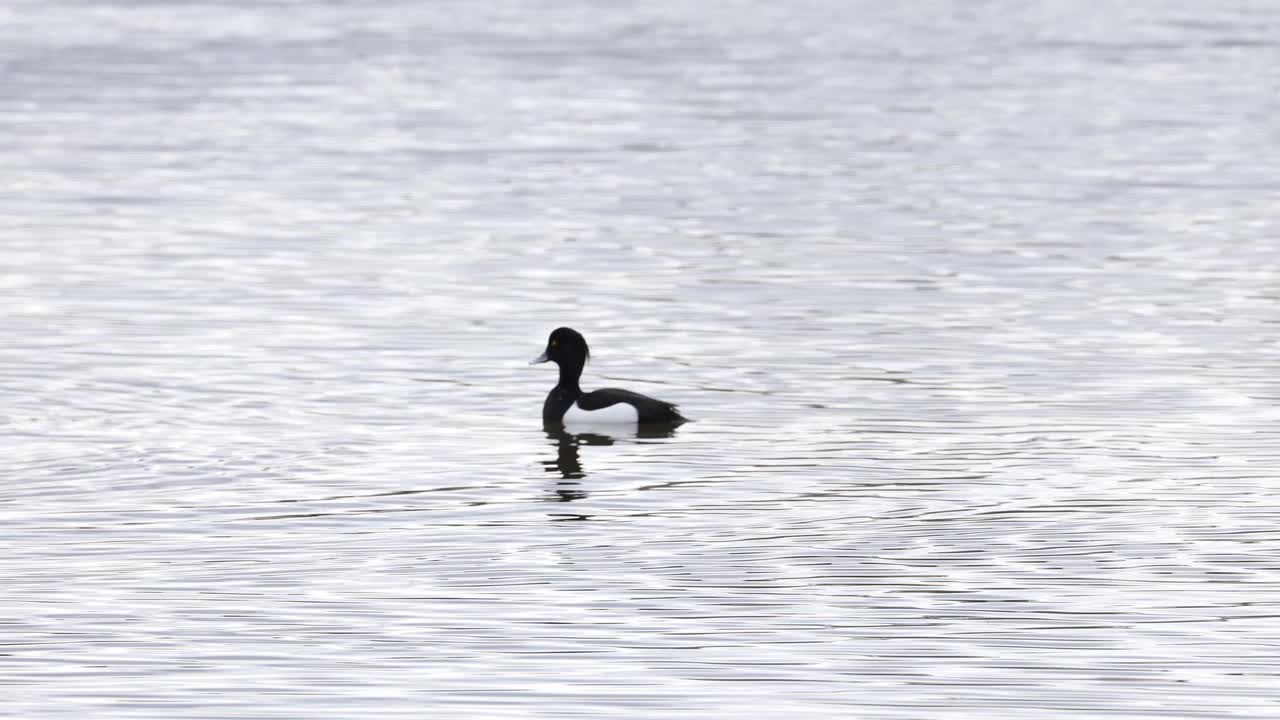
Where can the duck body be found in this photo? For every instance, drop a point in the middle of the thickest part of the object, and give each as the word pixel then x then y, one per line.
pixel 608 405
pixel 567 404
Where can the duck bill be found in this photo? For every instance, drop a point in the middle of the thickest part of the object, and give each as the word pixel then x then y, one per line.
pixel 539 360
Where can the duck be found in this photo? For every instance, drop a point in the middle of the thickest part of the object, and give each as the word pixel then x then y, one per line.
pixel 567 404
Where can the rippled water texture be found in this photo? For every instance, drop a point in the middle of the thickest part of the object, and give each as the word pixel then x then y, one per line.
pixel 974 306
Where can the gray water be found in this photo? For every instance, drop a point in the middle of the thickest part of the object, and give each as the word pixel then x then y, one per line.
pixel 976 307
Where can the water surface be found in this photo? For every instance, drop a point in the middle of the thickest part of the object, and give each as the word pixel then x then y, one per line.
pixel 974 306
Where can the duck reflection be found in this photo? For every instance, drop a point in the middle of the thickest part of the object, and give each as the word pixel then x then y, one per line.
pixel 568 462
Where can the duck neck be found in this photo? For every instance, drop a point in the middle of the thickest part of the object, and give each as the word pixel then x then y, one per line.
pixel 569 374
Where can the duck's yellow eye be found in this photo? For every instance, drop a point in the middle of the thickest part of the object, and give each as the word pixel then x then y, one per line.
pixel 553 343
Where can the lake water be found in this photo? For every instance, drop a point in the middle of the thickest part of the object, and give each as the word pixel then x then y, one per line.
pixel 976 307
